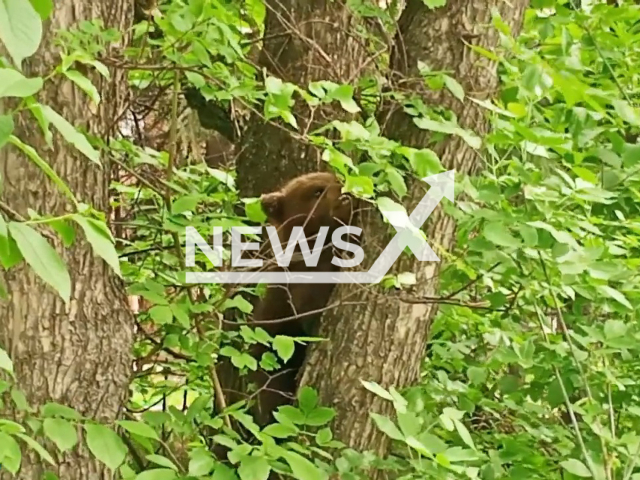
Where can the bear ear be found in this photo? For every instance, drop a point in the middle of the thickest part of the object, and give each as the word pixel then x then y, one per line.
pixel 272 204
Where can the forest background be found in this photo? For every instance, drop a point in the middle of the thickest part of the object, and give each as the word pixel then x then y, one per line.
pixel 515 357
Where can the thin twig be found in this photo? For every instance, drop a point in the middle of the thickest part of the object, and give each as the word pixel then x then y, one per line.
pixel 565 395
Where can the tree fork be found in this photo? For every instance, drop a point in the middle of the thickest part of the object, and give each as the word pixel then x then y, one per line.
pixel 384 342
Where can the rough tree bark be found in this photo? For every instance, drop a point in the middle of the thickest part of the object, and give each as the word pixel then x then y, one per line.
pixel 305 41
pixel 76 354
pixel 384 341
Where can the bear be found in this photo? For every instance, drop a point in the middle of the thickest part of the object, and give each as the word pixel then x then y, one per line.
pixel 310 201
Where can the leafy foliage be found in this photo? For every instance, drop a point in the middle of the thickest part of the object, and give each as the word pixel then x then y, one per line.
pixel 531 369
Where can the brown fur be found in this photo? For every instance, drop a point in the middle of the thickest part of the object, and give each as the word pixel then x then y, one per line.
pixel 311 201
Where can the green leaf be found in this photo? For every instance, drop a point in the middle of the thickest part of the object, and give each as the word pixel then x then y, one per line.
pixel 387 426
pixel 630 158
pixel 105 445
pixel 43 7
pixel 301 467
pixel 37 447
pixel 254 212
pixel 222 472
pixel 244 360
pixel 320 416
pixel 516 109
pixel 161 314
pixel 508 383
pixel 20 29
pixel 307 399
pixel 392 211
pixel 615 294
pixel 464 433
pixel 201 463
pixel 317 90
pixel 14 84
pixel 5 361
pixel 138 428
pixel 562 237
pixel 424 162
pixel 70 134
pixel 64 229
pixel 284 347
pixel 498 234
pixel 254 468
pixel 279 430
pixel 627 112
pixel 490 106
pixel 454 87
pixel 44 166
pixel 614 329
pixel 396 181
pixel 377 390
pixel 576 467
pixel 36 110
pixel 184 204
pixel 359 185
pixel 529 235
pixel 588 175
pixel 162 461
pixel 535 149
pixel 101 243
pixel 451 128
pixel 532 77
pixel 432 4
pixel 180 314
pixel 56 410
pixel 84 84
pixel 157 474
pixel 477 375
pixel 11 427
pixel 4 231
pixel 42 258
pixel 344 94
pixel 6 129
pixel 10 455
pixel 9 253
pixel 61 432
pixel 340 161
pixel 20 400
pixel 290 414
pixel 83 57
pixel 324 436
pixel 418 446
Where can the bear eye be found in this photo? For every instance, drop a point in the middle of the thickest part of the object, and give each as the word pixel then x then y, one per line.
pixel 318 191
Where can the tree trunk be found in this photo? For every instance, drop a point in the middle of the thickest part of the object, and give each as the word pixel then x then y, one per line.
pixel 380 338
pixel 304 41
pixel 77 354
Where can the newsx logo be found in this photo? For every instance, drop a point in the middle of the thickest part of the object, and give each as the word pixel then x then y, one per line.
pixel 283 258
pixel 408 235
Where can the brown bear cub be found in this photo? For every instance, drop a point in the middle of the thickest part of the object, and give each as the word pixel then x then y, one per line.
pixel 309 201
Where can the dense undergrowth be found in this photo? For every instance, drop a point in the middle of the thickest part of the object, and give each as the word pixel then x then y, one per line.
pixel 531 367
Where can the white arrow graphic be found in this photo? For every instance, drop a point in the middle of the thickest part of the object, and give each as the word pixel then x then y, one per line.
pixel 442 185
